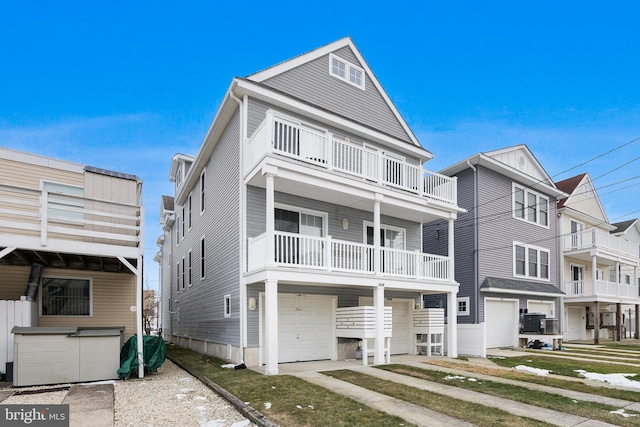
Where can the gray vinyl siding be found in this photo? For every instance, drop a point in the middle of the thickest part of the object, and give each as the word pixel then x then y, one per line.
pixel 347 297
pixel 312 83
pixel 256 217
pixel 257 110
pixel 498 230
pixel 201 304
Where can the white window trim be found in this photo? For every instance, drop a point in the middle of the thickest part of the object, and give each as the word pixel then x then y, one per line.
pixel 347 71
pixel 183 273
pixel 190 268
pixel 178 276
pixel 177 225
pixel 203 260
pixel 190 212
pixel 366 224
pixel 466 300
pixel 526 262
pixel 538 196
pixel 324 215
pixel 183 223
pixel 203 193
pixel 89 279
pixel 227 306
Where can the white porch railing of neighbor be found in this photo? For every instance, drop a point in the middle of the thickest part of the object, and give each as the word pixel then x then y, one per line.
pixel 29 212
pixel 603 288
pixel 591 238
pixel 328 254
pixel 295 140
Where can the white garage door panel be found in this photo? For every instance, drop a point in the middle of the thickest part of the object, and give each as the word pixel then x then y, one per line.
pixel 501 323
pixel 304 327
pixel 400 323
pixel 541 307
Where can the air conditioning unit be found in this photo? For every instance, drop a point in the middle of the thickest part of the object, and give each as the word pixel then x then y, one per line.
pixel 533 323
pixel 608 319
pixel 551 326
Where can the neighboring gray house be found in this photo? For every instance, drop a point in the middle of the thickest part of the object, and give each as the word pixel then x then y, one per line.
pixel 505 247
pixel 302 209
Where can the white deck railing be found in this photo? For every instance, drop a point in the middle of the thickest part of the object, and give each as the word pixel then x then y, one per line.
pixel 52 215
pixel 328 254
pixel 360 322
pixel 295 140
pixel 592 238
pixel 577 288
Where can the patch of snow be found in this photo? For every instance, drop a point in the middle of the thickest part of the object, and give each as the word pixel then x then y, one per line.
pixel 473 380
pixel 243 423
pixel 310 406
pixel 537 371
pixel 267 405
pixel 298 406
pixel 454 377
pixel 184 380
pixel 201 408
pixel 199 398
pixel 214 423
pixel 185 390
pixel 180 396
pixel 228 366
pixel 615 379
pixel 624 414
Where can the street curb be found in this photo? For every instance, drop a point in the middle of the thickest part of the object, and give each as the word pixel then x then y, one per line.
pixel 246 410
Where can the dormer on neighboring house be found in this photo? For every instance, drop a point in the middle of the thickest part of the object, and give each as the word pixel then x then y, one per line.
pixel 599 263
pixel 180 165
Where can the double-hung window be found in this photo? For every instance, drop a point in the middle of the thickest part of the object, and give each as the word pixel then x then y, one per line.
pixel 203 179
pixel 530 206
pixel 344 70
pixel 530 261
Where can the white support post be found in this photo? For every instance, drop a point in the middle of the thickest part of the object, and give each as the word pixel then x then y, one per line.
pixel 452 325
pixel 378 302
pixel 271 326
pixel 594 277
pixel 269 174
pixel 139 329
pixel 376 234
pixel 44 211
pixel 452 267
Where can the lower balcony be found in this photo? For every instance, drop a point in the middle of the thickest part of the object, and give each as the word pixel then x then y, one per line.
pixel 586 288
pixel 327 254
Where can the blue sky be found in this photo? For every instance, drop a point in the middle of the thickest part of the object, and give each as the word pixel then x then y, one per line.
pixel 125 85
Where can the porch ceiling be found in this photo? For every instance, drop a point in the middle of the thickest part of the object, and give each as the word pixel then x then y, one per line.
pixel 26 257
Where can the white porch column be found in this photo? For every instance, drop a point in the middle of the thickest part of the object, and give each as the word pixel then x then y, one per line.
pixel 376 234
pixel 452 325
pixel 271 326
pixel 450 251
pixel 269 172
pixel 618 275
pixel 594 275
pixel 378 303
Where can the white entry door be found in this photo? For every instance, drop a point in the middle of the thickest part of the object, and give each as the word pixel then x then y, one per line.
pixel 576 324
pixel 305 329
pixel 400 326
pixel 501 318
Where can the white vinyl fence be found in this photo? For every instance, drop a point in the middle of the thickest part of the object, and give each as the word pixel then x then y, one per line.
pixel 13 313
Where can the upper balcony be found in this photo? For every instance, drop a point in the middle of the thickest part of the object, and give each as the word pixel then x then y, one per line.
pixel 41 220
pixel 602 289
pixel 282 136
pixel 581 244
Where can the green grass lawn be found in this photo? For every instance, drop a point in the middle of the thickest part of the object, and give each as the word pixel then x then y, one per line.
pixel 564 366
pixel 595 411
pixel 472 412
pixel 294 402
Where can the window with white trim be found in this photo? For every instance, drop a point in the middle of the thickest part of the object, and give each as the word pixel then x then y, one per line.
pixel 202 263
pixel 189 270
pixel 463 306
pixel 65 296
pixel 183 273
pixel 203 179
pixel 183 221
pixel 530 261
pixel 227 306
pixel 62 208
pixel 530 206
pixel 344 70
pixel 178 277
pixel 177 224
pixel 189 211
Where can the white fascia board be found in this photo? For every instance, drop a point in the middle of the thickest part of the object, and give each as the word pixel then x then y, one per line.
pixel 175 162
pixel 518 292
pixel 589 220
pixel 245 87
pixel 325 50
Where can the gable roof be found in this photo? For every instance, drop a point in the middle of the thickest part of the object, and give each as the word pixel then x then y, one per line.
pixel 590 211
pixel 516 162
pixel 568 186
pixel 624 226
pixel 278 75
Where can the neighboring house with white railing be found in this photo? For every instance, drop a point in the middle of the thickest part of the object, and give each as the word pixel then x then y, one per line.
pixel 306 197
pixel 71 247
pixel 505 249
pixel 599 264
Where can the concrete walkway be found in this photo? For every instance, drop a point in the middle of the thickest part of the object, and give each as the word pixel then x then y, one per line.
pixel 91 405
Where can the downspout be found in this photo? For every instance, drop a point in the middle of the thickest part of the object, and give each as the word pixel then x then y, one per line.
pixel 242 109
pixel 475 241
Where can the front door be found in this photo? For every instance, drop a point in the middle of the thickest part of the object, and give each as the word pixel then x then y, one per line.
pixel 577 280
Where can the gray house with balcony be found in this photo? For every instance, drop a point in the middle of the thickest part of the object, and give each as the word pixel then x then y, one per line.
pixel 295 231
pixel 506 248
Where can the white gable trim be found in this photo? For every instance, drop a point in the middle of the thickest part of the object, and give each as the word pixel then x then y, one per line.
pixel 578 190
pixel 325 50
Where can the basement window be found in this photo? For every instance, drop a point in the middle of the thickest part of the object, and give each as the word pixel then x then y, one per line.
pixel 63 296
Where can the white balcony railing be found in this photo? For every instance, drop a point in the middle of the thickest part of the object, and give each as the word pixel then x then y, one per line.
pixel 328 254
pixel 49 215
pixel 592 238
pixel 577 288
pixel 295 140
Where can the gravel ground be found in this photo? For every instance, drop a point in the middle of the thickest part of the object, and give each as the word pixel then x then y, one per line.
pixel 170 397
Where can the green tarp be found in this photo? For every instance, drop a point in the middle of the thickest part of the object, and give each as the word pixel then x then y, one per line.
pixel 153 354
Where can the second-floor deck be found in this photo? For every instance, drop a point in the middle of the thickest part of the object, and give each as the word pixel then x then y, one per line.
pixel 295 140
pixel 328 254
pixel 601 288
pixel 604 242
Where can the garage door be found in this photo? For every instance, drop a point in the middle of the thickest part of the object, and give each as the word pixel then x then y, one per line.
pixel 304 328
pixel 501 319
pixel 400 326
pixel 543 307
